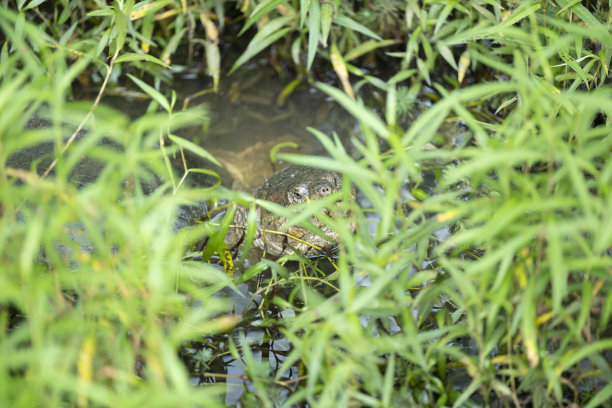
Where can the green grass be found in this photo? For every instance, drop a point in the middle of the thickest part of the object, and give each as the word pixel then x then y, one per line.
pixel 513 306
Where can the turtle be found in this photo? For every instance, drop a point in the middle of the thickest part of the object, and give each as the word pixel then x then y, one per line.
pixel 287 187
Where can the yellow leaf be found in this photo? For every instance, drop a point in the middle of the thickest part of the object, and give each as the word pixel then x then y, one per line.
pixel 532 353
pixel 245 6
pixel 341 70
pixel 228 261
pixel 464 63
pixel 544 318
pixel 212 33
pixel 85 365
pixel 140 12
pixel 447 215
pixel 520 274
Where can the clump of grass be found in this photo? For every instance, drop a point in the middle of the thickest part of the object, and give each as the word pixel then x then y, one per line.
pixel 517 297
pixel 93 292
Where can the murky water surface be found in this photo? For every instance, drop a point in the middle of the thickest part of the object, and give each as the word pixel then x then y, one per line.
pixel 248 120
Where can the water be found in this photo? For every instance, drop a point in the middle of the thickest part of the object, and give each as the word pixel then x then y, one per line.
pixel 247 122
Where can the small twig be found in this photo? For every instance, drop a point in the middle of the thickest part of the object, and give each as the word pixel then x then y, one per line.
pixel 286 383
pixel 314 278
pixel 218 375
pixel 89 114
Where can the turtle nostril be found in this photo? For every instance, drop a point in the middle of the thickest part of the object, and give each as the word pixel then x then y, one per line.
pixel 325 190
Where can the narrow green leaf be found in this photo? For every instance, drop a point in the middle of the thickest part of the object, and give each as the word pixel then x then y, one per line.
pixel 34 3
pixel 253 271
pixel 327 12
pixel 73 72
pixel 173 44
pixel 389 380
pixel 369 294
pixel 391 106
pixel 355 26
pixel 401 76
pixel 152 92
pixel 525 9
pixel 575 355
pixel 19 25
pixel 586 301
pixel 274 151
pixel 423 70
pixel 132 56
pixel 105 12
pixel 144 9
pixel 528 324
pixel 558 272
pixel 194 148
pixel 261 10
pixel 366 47
pixel 67 35
pixel 216 239
pixel 316 355
pixel 103 43
pixel 250 232
pixel 287 90
pixel 208 173
pixel 304 7
pixel 578 69
pixel 220 10
pixel 578 182
pixel 365 116
pixel 255 48
pixel 354 171
pixel 606 312
pixel 581 11
pixel 441 19
pixel 120 27
pixel 447 54
pixel 314 29
pixel 467 393
pixel 601 398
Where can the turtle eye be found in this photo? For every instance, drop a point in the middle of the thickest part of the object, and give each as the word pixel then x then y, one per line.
pixel 299 193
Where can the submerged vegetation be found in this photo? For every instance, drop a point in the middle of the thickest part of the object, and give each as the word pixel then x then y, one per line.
pixel 480 271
